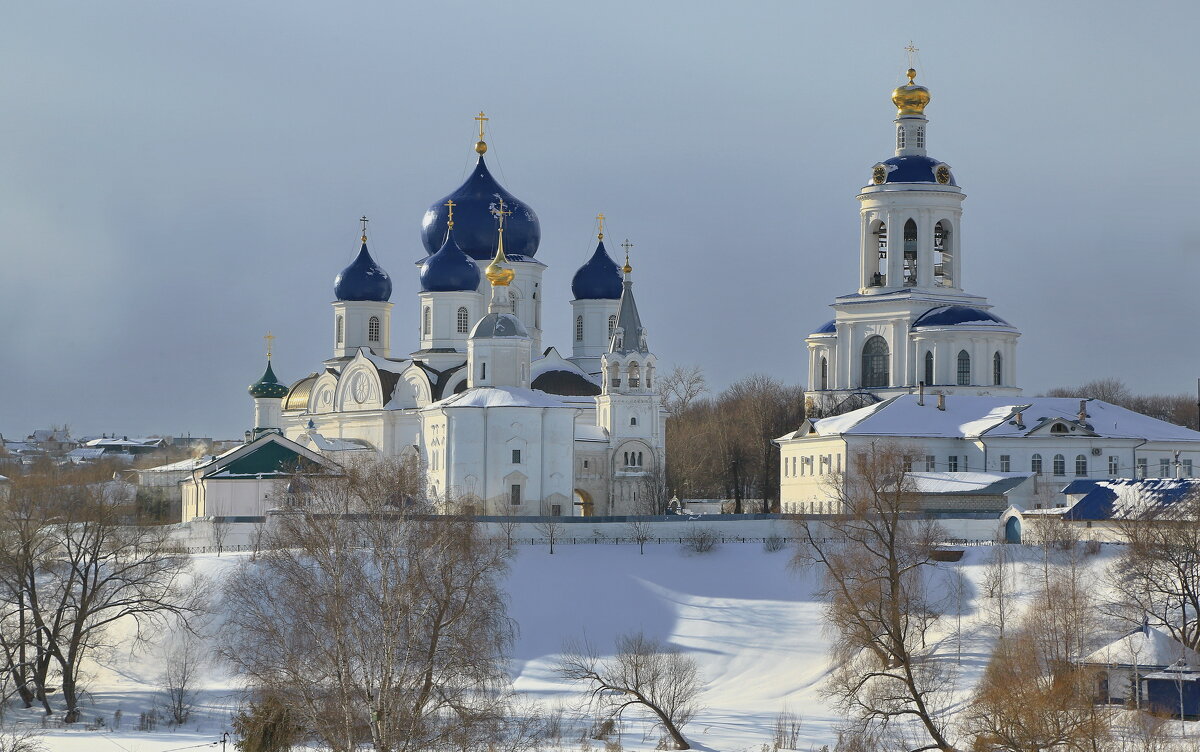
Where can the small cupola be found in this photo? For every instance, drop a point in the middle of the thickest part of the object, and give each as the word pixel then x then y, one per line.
pixel 450 269
pixel 599 278
pixel 363 279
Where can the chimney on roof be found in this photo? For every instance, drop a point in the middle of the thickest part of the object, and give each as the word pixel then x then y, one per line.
pixel 921 394
pixel 942 401
pixel 1083 411
pixel 1020 419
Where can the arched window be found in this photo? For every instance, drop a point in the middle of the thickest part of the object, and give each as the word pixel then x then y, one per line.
pixel 964 368
pixel 824 373
pixel 373 329
pixel 910 253
pixel 1035 464
pixel 1058 428
pixel 879 278
pixel 997 369
pixel 612 325
pixel 464 320
pixel 1060 465
pixel 633 421
pixel 1081 465
pixel 639 463
pixel 634 376
pixel 426 320
pixel 340 326
pixel 900 137
pixel 920 137
pixel 875 363
pixel 578 328
pixel 928 368
pixel 941 254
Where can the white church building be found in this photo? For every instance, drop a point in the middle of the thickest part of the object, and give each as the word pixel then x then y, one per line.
pixel 499 423
pixel 934 369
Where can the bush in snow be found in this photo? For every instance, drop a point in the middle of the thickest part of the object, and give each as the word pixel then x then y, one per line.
pixel 700 540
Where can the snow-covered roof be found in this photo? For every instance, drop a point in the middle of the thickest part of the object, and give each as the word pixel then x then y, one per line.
pixel 1129 498
pixel 338 445
pixel 969 416
pixel 182 466
pixel 86 453
pixel 500 396
pixel 587 432
pixel 1147 647
pixel 386 364
pixel 966 483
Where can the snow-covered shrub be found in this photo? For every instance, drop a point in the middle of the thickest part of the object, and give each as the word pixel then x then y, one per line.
pixel 774 543
pixel 700 540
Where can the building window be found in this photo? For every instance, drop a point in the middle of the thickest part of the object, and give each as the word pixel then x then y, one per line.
pixel 900 137
pixel 920 137
pixel 1187 468
pixel 340 327
pixel 426 321
pixel 556 510
pixel 1142 467
pixel 910 253
pixel 483 371
pixel 875 363
pixel 516 456
pixel 464 320
pixel 1114 469
pixel 1035 464
pixel 824 373
pixel 952 463
pixel 964 368
pixel 1060 465
pixel 633 421
pixel 612 326
pixel 997 367
pixel 1005 463
pixel 373 329
pixel 1081 467
pixel 1164 468
pixel 930 463
pixel 1058 428
pixel 578 328
pixel 514 494
pixel 928 368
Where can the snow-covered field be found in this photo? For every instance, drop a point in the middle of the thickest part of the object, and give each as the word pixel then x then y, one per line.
pixel 748 618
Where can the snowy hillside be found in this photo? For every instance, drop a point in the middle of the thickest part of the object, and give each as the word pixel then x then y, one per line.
pixel 748 618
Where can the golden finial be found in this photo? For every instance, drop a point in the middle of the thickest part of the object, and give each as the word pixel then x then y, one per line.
pixel 498 274
pixel 912 76
pixel 450 219
pixel 364 221
pixel 481 145
pixel 627 245
pixel 600 233
pixel 911 98
pixel 270 338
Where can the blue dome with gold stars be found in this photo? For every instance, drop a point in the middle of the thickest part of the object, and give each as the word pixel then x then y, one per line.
pixel 450 269
pixel 599 278
pixel 363 279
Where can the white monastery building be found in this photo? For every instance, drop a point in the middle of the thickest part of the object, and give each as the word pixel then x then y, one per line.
pixel 498 422
pixel 936 370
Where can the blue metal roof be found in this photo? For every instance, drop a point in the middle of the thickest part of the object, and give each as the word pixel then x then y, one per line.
pixel 363 280
pixel 598 279
pixel 449 270
pixel 957 315
pixel 827 328
pixel 913 169
pixel 475 224
pixel 1128 498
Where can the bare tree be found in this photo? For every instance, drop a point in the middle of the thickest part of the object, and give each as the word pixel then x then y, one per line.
pixel 997 589
pixel 551 529
pixel 1158 573
pixel 509 526
pixel 643 673
pixel 874 557
pixel 680 388
pixel 374 624
pixel 183 660
pixel 640 531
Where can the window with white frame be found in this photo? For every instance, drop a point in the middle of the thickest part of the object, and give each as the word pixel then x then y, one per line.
pixel 1143 468
pixel 1035 464
pixel 578 328
pixel 964 368
pixel 1164 468
pixel 930 463
pixel 1187 468
pixel 1005 463
pixel 426 321
pixel 1060 465
pixel 373 329
pixel 920 137
pixel 1081 465
pixel 516 456
pixel 1114 466
pixel 341 329
pixel 464 320
pixel 952 463
pixel 900 137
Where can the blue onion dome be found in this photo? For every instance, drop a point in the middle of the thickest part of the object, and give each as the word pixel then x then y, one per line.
pixel 450 269
pixel 363 279
pixel 598 279
pixel 268 385
pixel 958 315
pixel 912 168
pixel 829 327
pixel 475 224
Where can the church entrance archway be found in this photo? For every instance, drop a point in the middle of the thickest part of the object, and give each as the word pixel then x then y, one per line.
pixel 583 503
pixel 1012 530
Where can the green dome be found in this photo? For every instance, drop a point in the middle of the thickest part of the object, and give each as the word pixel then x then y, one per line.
pixel 268 385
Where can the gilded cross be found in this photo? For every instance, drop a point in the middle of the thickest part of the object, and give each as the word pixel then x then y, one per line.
pixel 482 119
pixel 600 219
pixel 270 338
pixel 450 206
pixel 912 51
pixel 627 245
pixel 364 221
pixel 501 213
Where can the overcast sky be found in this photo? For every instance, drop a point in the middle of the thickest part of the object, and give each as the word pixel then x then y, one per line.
pixel 176 178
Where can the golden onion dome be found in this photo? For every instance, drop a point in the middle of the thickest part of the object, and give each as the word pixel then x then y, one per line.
pixel 496 272
pixel 911 98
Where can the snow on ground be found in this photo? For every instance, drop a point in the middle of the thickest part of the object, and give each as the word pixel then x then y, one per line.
pixel 748 618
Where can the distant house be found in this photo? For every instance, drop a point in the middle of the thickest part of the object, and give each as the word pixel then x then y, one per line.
pixel 1097 508
pixel 127 446
pixel 52 440
pixel 243 481
pixel 1132 669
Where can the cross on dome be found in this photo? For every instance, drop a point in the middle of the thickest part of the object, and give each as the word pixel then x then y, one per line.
pixel 600 232
pixel 363 219
pixel 270 338
pixel 481 145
